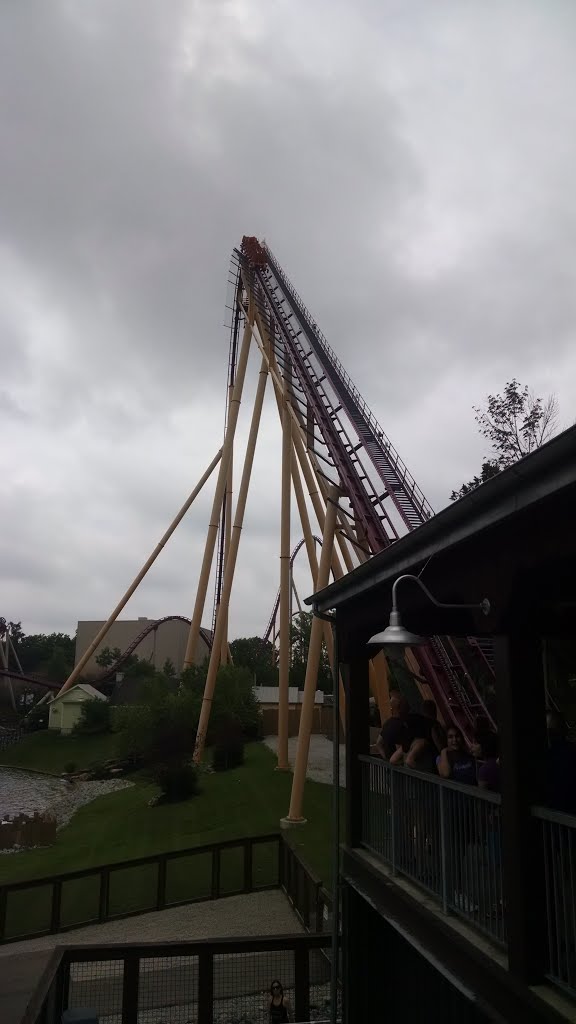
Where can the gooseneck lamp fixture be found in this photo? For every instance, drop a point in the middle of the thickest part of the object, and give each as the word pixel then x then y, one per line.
pixel 396 634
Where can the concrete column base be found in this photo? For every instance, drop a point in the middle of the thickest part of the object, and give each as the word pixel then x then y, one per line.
pixel 286 823
pixel 280 768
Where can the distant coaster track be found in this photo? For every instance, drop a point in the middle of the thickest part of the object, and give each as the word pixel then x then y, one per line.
pixel 109 672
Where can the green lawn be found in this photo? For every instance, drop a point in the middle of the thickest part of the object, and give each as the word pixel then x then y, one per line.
pixel 47 751
pixel 121 826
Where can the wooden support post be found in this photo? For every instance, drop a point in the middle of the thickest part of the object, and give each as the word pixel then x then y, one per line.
pixel 307 709
pixel 225 657
pixel 521 700
pixel 214 662
pixel 358 742
pixel 313 483
pixel 285 623
pixel 313 562
pixel 124 600
pixel 219 492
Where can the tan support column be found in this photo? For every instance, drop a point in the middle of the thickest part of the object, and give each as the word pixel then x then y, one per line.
pixel 285 624
pixel 5 657
pixel 225 656
pixel 214 663
pixel 219 492
pixel 124 600
pixel 294 816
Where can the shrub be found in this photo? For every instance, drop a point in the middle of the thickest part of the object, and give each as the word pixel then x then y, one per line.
pixel 162 729
pixel 233 696
pixel 228 746
pixel 177 781
pixel 69 767
pixel 95 718
pixel 37 718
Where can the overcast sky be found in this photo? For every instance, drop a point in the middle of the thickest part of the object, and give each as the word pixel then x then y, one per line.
pixel 412 166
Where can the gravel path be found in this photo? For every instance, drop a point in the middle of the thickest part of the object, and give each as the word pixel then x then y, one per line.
pixel 259 913
pixel 319 758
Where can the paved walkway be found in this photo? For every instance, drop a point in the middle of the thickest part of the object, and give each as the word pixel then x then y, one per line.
pixel 260 913
pixel 319 758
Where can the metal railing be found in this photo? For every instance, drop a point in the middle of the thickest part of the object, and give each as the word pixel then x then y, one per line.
pixel 443 836
pixel 558 836
pixel 305 892
pixel 204 981
pixel 44 906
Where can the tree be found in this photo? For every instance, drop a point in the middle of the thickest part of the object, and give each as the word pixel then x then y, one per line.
pixel 161 728
pixel 300 642
pixel 169 669
pixel 95 717
pixel 515 423
pixel 45 654
pixel 233 696
pixel 257 655
pixel 108 656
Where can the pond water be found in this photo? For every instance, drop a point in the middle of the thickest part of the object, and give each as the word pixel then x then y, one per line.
pixel 23 792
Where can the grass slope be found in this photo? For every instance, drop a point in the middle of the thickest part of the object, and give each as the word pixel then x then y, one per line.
pixel 121 826
pixel 47 751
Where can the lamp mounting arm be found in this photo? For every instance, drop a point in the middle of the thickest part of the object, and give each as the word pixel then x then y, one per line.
pixel 483 605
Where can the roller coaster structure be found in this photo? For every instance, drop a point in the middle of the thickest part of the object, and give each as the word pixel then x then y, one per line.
pixel 110 672
pixel 361 493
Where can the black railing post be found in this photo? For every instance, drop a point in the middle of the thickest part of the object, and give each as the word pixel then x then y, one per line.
pixel 393 843
pixel 319 907
pixel 305 901
pixel 205 987
pixel 518 657
pixel 215 887
pixel 130 982
pixel 56 906
pixel 248 884
pixel 302 982
pixel 161 884
pixel 281 849
pixel 61 989
pixel 355 676
pixel 3 911
pixel 443 848
pixel 104 901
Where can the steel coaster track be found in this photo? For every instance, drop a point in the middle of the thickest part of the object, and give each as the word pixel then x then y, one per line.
pixel 112 669
pixel 270 627
pixel 341 432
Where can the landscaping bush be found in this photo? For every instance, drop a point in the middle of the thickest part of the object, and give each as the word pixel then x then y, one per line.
pixel 228 745
pixel 36 719
pixel 95 718
pixel 69 767
pixel 177 781
pixel 160 730
pixel 233 697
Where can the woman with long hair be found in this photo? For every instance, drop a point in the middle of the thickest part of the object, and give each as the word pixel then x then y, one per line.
pixel 278 1009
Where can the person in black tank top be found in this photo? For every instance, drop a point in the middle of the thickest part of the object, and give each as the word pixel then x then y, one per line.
pixel 278 1012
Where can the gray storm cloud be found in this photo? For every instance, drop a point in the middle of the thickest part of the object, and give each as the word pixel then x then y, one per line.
pixel 412 168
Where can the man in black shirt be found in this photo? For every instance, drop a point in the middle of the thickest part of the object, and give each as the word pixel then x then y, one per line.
pixel 394 731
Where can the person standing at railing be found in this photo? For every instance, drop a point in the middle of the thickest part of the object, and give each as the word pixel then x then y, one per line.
pixel 560 766
pixel 393 733
pixel 455 762
pixel 486 750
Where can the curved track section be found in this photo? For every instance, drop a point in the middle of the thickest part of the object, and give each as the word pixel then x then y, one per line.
pixel 272 619
pixel 117 665
pixel 348 446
